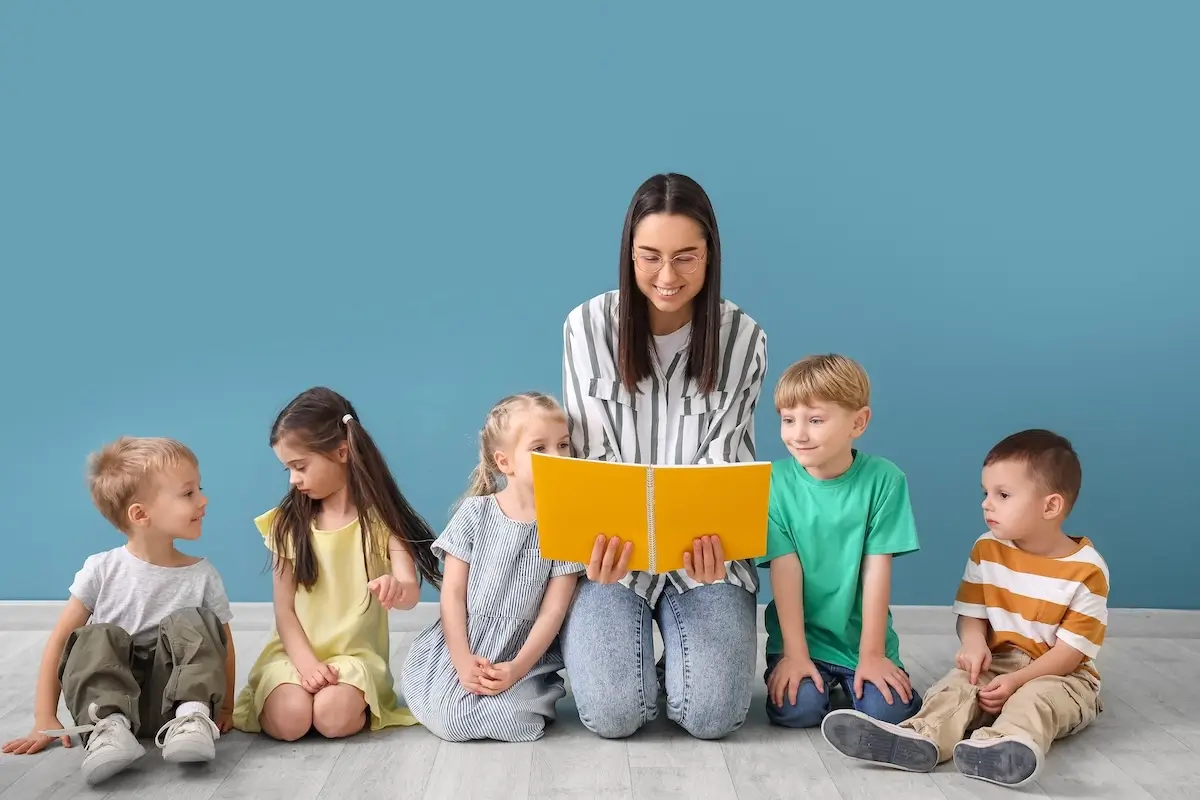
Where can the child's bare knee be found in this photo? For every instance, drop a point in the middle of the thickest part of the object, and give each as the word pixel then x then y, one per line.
pixel 288 713
pixel 338 711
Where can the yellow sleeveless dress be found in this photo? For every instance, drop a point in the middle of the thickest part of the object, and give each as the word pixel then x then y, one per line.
pixel 345 625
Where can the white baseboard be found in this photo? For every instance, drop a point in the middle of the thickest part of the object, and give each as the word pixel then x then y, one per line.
pixel 17 615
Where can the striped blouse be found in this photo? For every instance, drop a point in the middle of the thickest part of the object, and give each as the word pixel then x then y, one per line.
pixel 668 420
pixel 1031 602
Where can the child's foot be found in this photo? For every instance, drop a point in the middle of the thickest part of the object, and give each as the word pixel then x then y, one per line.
pixel 856 735
pixel 1005 760
pixel 188 739
pixel 111 746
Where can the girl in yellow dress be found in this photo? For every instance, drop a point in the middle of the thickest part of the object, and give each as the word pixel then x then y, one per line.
pixel 345 547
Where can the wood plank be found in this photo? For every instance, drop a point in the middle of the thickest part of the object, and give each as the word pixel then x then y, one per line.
pixel 282 770
pixel 395 762
pixel 481 771
pixel 773 763
pixel 572 762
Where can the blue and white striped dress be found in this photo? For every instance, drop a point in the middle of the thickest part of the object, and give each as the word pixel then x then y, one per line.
pixel 505 585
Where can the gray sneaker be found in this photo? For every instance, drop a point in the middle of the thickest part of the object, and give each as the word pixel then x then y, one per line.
pixel 854 734
pixel 1004 760
pixel 188 739
pixel 111 746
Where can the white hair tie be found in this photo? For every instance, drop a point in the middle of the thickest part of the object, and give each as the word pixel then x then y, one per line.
pixel 346 419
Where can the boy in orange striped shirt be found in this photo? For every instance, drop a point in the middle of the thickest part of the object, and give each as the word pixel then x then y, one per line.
pixel 1032 610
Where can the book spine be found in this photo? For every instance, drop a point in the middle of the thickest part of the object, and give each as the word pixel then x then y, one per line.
pixel 651 541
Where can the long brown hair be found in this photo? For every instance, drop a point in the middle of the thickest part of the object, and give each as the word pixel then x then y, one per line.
pixel 670 194
pixel 321 420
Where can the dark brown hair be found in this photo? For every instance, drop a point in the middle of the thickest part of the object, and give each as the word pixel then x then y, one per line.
pixel 314 420
pixel 1049 457
pixel 670 194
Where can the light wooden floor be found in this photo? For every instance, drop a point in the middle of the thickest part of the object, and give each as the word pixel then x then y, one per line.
pixel 1146 744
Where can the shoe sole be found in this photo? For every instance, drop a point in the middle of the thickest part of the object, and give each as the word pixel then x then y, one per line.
pixel 188 755
pixel 98 770
pixel 856 735
pixel 1006 763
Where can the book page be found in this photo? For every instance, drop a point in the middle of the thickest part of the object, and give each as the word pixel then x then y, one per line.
pixel 728 500
pixel 579 499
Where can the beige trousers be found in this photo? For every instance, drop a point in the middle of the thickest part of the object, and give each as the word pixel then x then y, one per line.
pixel 1042 710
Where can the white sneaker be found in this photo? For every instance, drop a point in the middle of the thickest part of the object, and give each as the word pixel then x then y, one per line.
pixel 188 739
pixel 1004 760
pixel 111 747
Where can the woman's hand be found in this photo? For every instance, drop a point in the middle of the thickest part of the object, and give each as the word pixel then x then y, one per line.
pixel 706 562
pixel 606 565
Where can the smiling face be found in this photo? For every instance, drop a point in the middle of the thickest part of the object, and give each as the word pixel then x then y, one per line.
pixel 533 431
pixel 670 258
pixel 175 507
pixel 316 475
pixel 820 436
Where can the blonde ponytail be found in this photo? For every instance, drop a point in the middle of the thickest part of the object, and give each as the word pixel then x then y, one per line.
pixel 483 477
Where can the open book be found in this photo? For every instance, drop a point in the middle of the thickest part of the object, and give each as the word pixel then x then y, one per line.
pixel 659 508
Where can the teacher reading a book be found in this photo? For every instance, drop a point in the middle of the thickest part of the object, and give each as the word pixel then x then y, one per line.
pixel 663 371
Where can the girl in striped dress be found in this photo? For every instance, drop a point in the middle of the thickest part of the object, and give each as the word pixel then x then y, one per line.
pixel 489 668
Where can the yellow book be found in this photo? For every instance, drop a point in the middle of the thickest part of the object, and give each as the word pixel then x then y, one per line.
pixel 660 508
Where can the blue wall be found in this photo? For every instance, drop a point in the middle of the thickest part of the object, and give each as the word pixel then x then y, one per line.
pixel 205 211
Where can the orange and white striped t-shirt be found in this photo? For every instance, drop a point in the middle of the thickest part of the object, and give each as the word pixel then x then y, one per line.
pixel 1031 602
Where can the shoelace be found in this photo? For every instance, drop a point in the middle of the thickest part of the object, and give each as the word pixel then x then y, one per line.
pixel 101 730
pixel 196 722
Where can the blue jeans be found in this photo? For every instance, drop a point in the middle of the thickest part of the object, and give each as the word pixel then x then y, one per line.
pixel 709 650
pixel 811 706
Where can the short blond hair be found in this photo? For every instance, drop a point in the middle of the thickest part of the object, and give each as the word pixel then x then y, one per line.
pixel 120 470
pixel 827 378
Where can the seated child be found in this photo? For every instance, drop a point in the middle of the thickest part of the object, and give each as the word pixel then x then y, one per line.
pixel 1033 607
pixel 837 517
pixel 345 547
pixel 489 669
pixel 143 645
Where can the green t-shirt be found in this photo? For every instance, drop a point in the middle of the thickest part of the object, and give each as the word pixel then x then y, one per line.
pixel 832 525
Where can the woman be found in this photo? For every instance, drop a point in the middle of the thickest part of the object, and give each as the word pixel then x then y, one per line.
pixel 664 371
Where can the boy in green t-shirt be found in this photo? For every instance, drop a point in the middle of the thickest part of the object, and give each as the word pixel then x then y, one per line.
pixel 837 517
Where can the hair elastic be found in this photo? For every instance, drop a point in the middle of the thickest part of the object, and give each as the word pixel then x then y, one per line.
pixel 346 419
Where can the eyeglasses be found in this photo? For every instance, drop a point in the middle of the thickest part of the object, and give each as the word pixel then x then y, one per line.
pixel 684 263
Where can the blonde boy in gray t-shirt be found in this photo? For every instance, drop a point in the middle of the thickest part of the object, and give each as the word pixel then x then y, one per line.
pixel 143 646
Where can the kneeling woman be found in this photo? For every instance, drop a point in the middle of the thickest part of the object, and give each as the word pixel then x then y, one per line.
pixel 664 371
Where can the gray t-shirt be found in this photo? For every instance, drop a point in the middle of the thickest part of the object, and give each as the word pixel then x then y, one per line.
pixel 121 589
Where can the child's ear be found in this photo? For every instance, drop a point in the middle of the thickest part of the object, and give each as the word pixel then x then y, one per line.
pixel 861 418
pixel 1053 507
pixel 503 464
pixel 342 453
pixel 137 515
